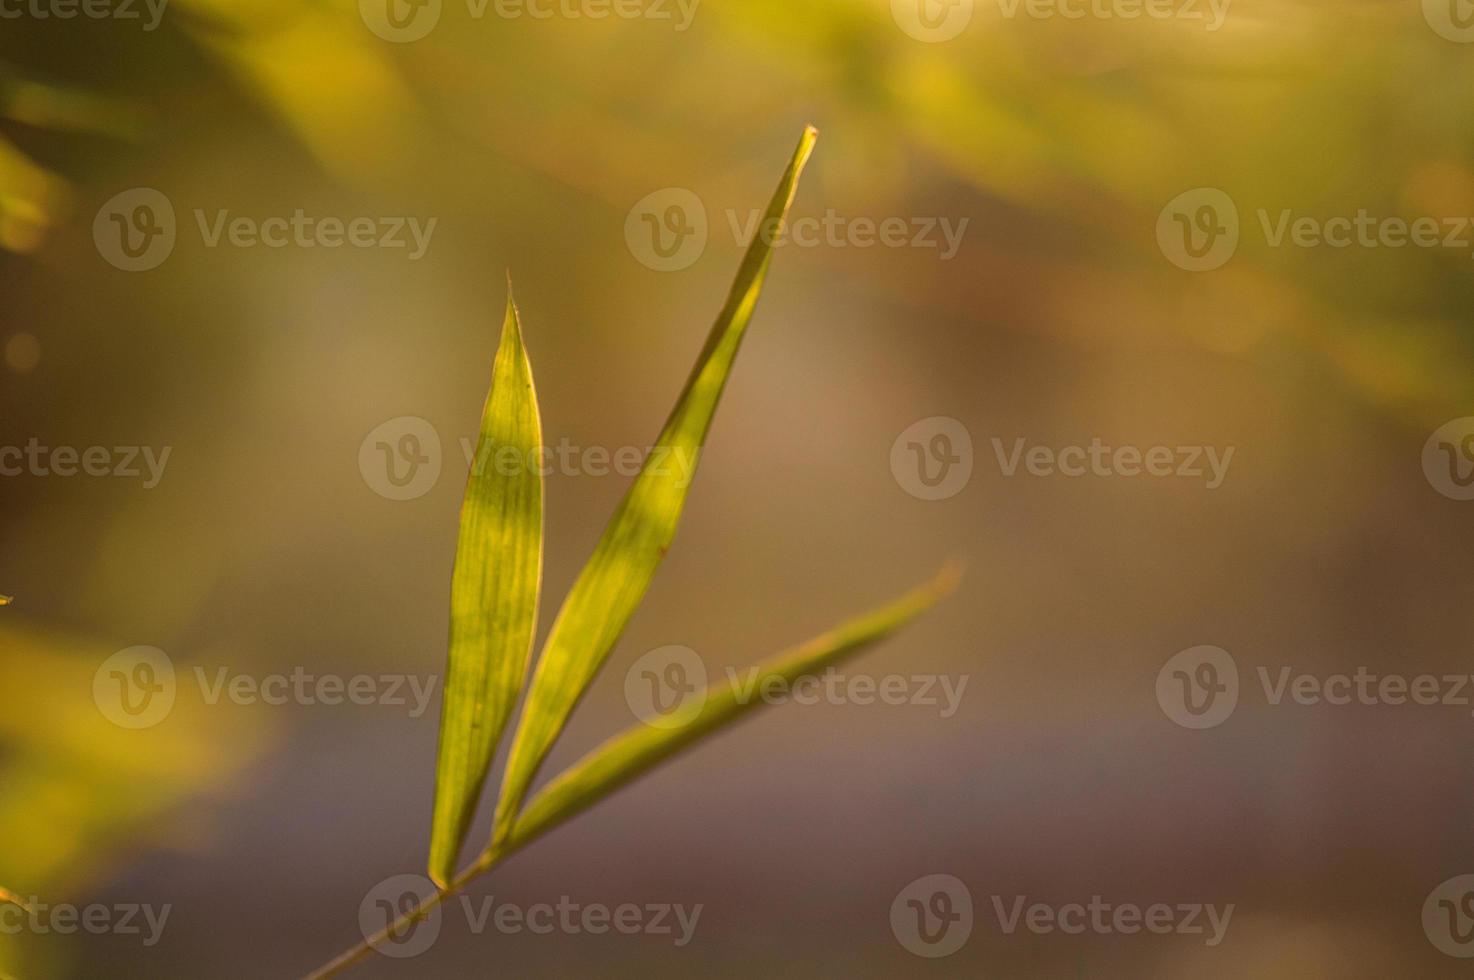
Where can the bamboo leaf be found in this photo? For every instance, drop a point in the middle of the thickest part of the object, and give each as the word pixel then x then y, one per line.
pixel 638 750
pixel 493 594
pixel 615 580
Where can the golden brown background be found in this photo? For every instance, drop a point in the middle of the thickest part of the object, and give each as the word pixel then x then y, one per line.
pixel 1058 320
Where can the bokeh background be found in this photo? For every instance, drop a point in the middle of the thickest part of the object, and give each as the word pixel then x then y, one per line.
pixel 265 549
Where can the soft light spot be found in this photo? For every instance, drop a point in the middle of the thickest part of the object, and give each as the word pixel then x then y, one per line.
pixel 22 353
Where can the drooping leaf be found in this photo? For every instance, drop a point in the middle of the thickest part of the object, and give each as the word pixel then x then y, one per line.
pixel 615 580
pixel 493 594
pixel 643 747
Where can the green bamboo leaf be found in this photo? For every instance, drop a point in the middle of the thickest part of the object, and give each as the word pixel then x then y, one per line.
pixel 615 580
pixel 493 594
pixel 634 752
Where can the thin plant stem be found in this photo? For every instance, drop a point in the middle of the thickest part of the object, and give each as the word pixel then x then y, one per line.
pixel 357 954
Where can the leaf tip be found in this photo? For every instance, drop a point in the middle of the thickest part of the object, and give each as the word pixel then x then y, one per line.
pixel 805 149
pixel 945 582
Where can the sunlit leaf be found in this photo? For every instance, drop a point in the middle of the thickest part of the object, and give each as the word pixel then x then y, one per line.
pixel 493 595
pixel 611 585
pixel 638 750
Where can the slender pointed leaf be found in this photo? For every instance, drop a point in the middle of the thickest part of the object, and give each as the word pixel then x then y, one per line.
pixel 615 580
pixel 638 750
pixel 493 595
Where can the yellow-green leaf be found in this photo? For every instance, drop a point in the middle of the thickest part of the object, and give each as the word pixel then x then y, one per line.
pixel 493 594
pixel 611 585
pixel 638 750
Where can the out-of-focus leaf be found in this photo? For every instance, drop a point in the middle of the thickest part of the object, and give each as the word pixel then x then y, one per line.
pixel 493 595
pixel 638 750
pixel 611 585
pixel 66 109
pixel 325 76
pixel 31 200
